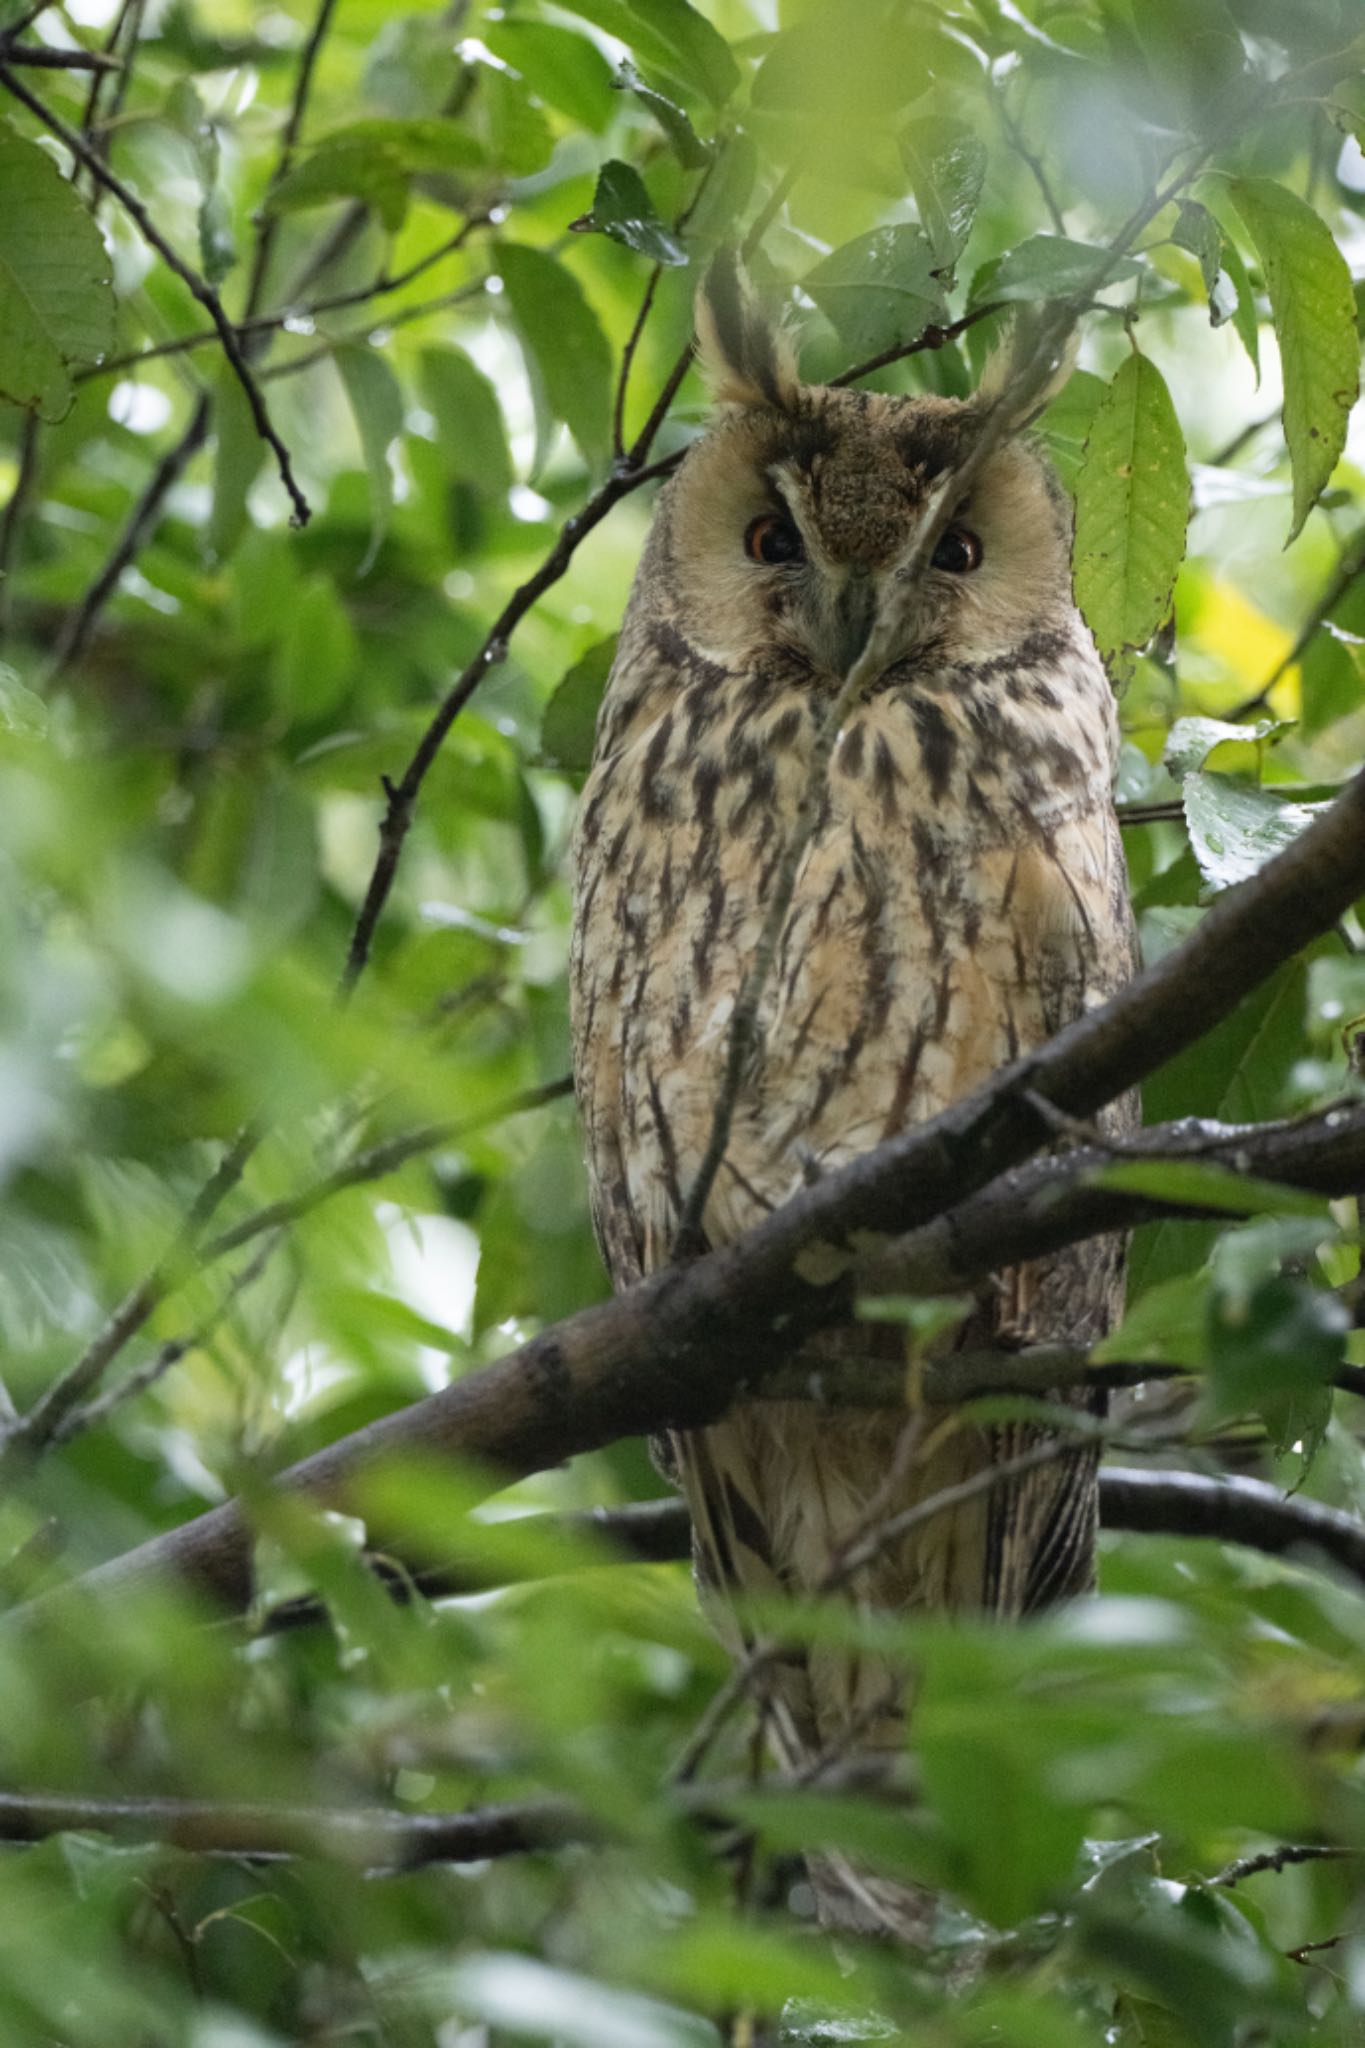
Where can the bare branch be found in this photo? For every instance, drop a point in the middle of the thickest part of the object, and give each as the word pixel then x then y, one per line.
pixel 933 337
pixel 1279 1859
pixel 38 58
pixel 1231 1510
pixel 371 1838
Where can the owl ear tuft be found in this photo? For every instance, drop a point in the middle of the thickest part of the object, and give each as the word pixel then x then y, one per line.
pixel 1001 378
pixel 745 359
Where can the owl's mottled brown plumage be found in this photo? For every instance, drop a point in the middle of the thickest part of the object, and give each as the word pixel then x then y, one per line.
pixel 961 898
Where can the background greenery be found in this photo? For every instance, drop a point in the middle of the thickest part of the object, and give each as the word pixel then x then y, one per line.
pixel 440 230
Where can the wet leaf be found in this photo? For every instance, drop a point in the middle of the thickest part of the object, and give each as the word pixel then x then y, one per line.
pixel 56 301
pixel 1132 505
pixel 1313 306
pixel 623 209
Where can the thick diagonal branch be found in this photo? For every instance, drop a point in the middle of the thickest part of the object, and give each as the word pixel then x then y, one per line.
pixel 676 1349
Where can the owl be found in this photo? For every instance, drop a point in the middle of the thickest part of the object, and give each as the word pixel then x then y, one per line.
pixel 961 897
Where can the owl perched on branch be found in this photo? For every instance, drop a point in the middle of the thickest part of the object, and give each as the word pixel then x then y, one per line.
pixel 961 896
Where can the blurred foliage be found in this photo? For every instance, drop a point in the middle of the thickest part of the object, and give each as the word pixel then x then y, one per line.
pixel 441 275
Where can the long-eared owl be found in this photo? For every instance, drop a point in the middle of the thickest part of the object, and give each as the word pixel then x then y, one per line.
pixel 961 897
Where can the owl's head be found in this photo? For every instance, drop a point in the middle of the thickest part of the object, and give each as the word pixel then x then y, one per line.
pixel 793 516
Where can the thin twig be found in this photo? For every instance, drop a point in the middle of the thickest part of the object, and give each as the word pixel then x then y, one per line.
pixel 77 627
pixel 932 337
pixel 1231 449
pixel 1015 138
pixel 1350 565
pixel 92 1413
pixel 293 128
pixel 36 58
pixel 91 125
pixel 141 521
pixel 39 1424
pixel 57 1414
pixel 1280 1859
pixel 375 1163
pixel 618 411
pixel 85 153
pixel 267 323
pixel 404 317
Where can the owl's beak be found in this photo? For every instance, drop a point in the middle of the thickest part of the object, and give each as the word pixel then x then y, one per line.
pixel 854 615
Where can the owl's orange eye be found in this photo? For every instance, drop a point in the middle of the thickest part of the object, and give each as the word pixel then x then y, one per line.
pixel 772 539
pixel 958 551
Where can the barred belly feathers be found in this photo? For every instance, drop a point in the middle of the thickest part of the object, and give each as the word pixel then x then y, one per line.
pixel 961 897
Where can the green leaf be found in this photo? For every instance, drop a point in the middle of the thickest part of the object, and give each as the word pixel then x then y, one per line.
pixel 1236 826
pixel 516 131
pixel 1274 1354
pixel 375 161
pixel 692 153
pixel 570 721
pixel 1196 230
pixel 1050 267
pixel 672 35
pixel 185 112
pixel 725 194
pixel 1313 306
pixel 879 290
pixel 1201 1185
pixel 470 429
pixel 56 297
pixel 1145 2025
pixel 1237 1073
pixel 1191 742
pixel 564 341
pixel 565 69
pixel 1166 1325
pixel 377 405
pixel 946 163
pixel 623 209
pixel 1132 505
pixel 1244 315
pixel 316 656
pixel 238 452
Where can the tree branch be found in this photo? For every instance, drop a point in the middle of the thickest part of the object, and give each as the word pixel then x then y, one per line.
pixel 933 337
pixel 373 1838
pixel 675 1349
pixel 37 58
pixel 85 153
